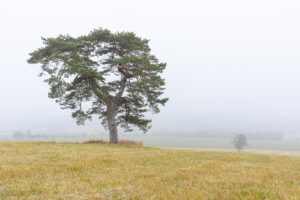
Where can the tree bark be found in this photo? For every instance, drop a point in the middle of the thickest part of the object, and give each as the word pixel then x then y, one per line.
pixel 111 112
pixel 112 126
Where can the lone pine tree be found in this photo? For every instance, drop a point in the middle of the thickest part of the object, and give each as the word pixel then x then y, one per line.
pixel 112 75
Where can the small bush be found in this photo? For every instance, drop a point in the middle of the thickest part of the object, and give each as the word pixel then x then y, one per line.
pixel 122 142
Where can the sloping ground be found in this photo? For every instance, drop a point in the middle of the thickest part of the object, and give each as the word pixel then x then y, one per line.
pixel 95 171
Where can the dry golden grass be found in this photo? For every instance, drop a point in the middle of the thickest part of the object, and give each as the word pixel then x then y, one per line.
pixel 130 143
pixel 107 171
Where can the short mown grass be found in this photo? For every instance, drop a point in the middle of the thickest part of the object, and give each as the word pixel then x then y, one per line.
pixel 107 171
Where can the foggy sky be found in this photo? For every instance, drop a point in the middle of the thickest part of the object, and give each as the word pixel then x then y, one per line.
pixel 230 64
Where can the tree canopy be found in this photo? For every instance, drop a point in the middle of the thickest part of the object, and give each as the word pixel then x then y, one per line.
pixel 111 75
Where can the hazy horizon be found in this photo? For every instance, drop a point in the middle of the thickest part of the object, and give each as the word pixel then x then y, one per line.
pixel 228 67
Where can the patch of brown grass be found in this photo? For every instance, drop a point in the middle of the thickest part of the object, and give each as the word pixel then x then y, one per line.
pixel 130 143
pixel 96 142
pixel 122 142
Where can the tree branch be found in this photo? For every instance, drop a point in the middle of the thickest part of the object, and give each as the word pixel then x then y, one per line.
pixel 121 90
pixel 95 89
pixel 122 69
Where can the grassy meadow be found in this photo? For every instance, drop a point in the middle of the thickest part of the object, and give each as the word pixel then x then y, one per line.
pixel 106 171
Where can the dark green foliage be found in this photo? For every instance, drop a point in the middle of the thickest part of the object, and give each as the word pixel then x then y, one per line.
pixel 88 73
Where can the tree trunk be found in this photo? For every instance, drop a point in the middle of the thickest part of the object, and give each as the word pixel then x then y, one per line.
pixel 112 126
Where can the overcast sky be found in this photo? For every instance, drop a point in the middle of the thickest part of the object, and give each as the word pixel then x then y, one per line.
pixel 230 64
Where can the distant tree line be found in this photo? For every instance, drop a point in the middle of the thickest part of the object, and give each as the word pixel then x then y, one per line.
pixel 256 135
pixel 29 134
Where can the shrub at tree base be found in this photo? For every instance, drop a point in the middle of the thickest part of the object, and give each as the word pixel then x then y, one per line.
pixel 122 142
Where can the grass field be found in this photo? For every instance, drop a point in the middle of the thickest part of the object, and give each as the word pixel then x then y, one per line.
pixel 104 171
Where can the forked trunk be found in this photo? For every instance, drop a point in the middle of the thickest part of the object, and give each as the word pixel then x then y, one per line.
pixel 112 126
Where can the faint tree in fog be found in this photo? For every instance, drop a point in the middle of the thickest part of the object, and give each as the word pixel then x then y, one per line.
pixel 29 134
pixel 18 134
pixel 111 75
pixel 240 141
